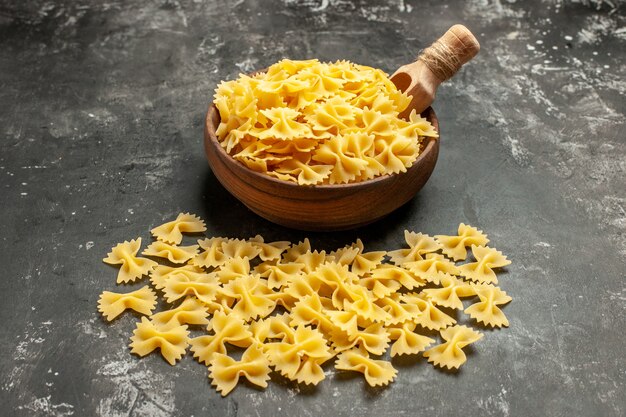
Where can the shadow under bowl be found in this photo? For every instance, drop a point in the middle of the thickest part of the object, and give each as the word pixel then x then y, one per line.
pixel 318 207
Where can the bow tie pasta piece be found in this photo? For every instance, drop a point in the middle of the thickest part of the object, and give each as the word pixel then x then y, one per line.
pixel 287 357
pixel 486 260
pixel 172 342
pixel 310 371
pixel 202 286
pixel 213 255
pixel 397 312
pixel 345 167
pixel 376 372
pixel 419 244
pixel 232 269
pixel 486 311
pixel 454 246
pixel 345 255
pixel 309 310
pixel 274 327
pixel 433 268
pixel 362 302
pixel 224 371
pixel 251 294
pixel 407 279
pixel 133 267
pixel 282 298
pixel 172 232
pixel 269 251
pixel 279 274
pixel 303 173
pixel 450 354
pixel 190 311
pixel 407 341
pixel 381 286
pixel 364 263
pixel 429 316
pixel 311 260
pixel 175 254
pixel 113 304
pixel 237 248
pixel 226 329
pixel 284 124
pixel 449 295
pixel 296 250
pixel 159 275
pixel 374 339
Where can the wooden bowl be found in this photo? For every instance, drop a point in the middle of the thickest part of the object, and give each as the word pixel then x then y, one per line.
pixel 318 207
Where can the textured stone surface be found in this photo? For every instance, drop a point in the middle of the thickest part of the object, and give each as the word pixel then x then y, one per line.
pixel 101 109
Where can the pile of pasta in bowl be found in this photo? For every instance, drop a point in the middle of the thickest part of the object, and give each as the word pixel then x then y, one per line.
pixel 315 123
pixel 292 309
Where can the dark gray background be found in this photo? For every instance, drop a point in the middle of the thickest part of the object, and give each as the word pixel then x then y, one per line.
pixel 101 111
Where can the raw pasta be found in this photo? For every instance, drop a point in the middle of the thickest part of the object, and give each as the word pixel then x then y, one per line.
pixel 450 354
pixel 112 304
pixel 293 308
pixel 319 123
pixel 486 260
pixel 172 232
pixel 454 246
pixel 171 342
pixel 133 267
pixel 224 371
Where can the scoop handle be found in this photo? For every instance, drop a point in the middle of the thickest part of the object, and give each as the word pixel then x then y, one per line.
pixel 437 63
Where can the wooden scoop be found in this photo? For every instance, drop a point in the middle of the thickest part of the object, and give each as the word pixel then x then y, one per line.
pixel 434 65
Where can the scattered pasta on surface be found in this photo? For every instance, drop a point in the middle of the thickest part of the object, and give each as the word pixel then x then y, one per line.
pixel 290 309
pixel 319 123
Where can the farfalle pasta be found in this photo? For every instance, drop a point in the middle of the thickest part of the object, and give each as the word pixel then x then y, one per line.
pixel 172 232
pixel 319 123
pixel 290 308
pixel 224 371
pixel 132 267
pixel 112 304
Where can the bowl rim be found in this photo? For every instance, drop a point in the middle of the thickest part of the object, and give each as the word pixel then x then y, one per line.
pixel 210 134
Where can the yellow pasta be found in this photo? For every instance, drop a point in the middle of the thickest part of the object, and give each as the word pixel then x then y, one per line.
pixel 190 311
pixel 172 232
pixel 251 293
pixel 407 341
pixel 376 372
pixel 112 304
pixel 374 339
pixel 133 267
pixel 486 260
pixel 419 244
pixel 226 330
pixel 454 246
pixel 202 286
pixel 450 354
pixel 309 310
pixel 293 308
pixel 225 371
pixel 175 254
pixel 432 268
pixel 486 311
pixel 451 292
pixel 171 342
pixel 213 255
pixel 319 123
pixel 159 275
pixel 287 357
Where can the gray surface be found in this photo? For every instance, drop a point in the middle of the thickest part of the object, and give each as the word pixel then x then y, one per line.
pixel 101 108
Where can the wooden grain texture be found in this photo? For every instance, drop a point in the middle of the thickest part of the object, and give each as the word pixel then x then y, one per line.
pixel 437 63
pixel 318 207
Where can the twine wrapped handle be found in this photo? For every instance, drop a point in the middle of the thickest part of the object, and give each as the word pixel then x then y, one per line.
pixel 434 65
